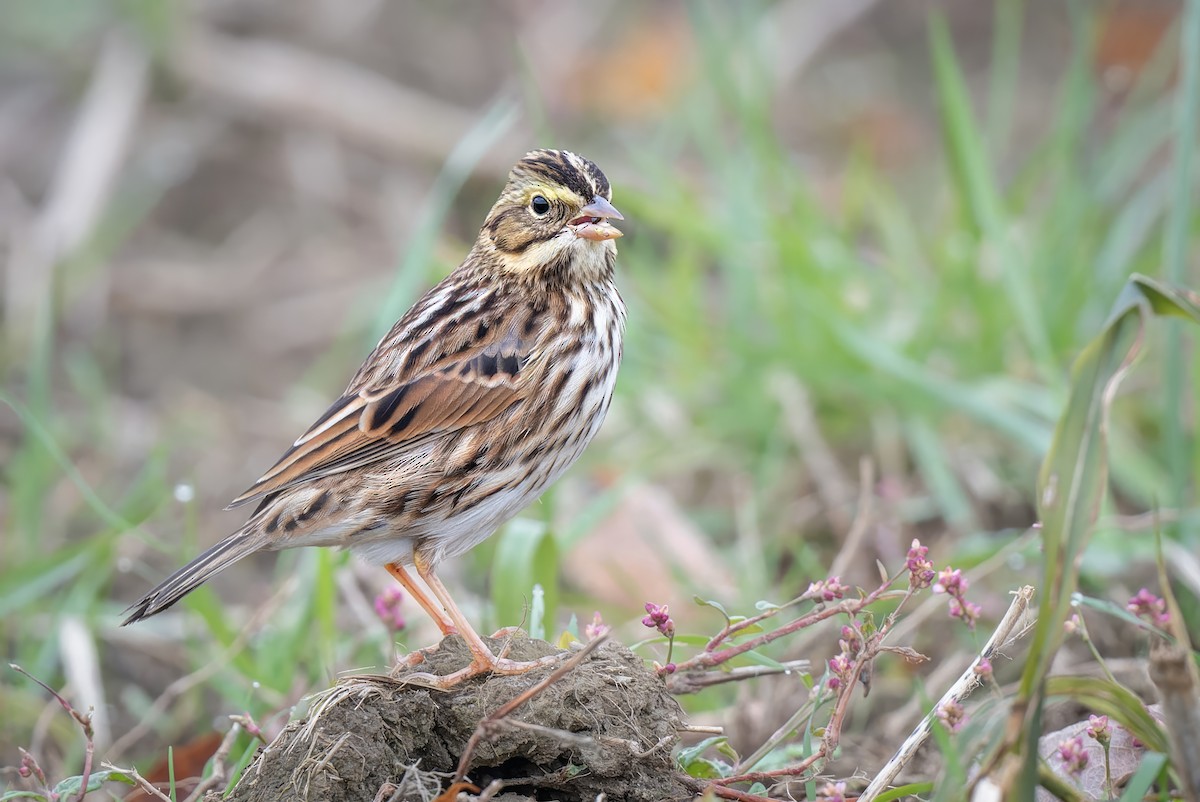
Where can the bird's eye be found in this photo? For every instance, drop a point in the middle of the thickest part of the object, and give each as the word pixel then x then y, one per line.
pixel 539 205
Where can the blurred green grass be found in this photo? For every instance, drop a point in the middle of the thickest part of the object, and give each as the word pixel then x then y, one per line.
pixel 931 318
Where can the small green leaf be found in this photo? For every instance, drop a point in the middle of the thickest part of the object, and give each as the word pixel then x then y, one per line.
pixel 726 749
pixel 913 790
pixel 716 605
pixel 693 752
pixel 762 606
pixel 705 769
pixel 71 785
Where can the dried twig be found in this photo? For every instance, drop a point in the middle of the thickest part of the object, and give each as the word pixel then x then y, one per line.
pixel 485 727
pixel 850 607
pixel 859 671
pixel 141 782
pixel 696 681
pixel 700 787
pixel 966 682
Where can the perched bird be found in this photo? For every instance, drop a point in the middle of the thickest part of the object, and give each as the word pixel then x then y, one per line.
pixel 480 396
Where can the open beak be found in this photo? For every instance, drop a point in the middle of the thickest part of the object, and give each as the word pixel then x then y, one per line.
pixel 592 222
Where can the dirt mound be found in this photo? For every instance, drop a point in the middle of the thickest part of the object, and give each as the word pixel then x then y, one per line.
pixel 607 727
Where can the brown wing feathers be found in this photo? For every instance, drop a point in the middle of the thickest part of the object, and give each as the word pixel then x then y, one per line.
pixel 472 385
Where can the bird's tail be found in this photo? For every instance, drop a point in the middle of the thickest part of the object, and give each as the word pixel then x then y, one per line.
pixel 194 574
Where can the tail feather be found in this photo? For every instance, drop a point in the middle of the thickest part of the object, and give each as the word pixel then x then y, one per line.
pixel 193 575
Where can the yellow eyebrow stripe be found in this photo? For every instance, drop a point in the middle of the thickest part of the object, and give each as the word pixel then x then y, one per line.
pixel 562 195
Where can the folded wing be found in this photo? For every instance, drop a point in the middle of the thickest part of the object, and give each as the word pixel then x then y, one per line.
pixel 381 421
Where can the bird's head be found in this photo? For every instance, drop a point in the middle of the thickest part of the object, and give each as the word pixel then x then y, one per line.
pixel 553 214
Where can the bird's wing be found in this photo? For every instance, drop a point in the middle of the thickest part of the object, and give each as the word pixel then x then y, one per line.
pixel 478 381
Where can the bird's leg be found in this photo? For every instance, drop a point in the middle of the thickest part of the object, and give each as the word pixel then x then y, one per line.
pixel 420 597
pixel 483 661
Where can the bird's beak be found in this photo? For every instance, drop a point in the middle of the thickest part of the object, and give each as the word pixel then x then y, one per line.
pixel 592 222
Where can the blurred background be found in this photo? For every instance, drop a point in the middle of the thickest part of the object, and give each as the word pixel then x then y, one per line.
pixel 864 242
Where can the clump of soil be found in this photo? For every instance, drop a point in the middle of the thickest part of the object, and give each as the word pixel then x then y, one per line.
pixel 607 727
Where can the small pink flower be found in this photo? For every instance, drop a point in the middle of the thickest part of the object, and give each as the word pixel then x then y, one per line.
pixel 840 667
pixel 1072 624
pixel 920 569
pixel 828 589
pixel 387 607
pixel 596 628
pixel 967 611
pixel 951 581
pixel 1145 604
pixel 983 668
pixel 849 642
pixel 1073 755
pixel 952 715
pixel 1099 729
pixel 832 792
pixel 659 618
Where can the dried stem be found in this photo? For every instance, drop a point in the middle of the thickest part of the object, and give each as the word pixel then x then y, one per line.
pixel 851 607
pixel 871 647
pixel 1174 675
pixel 703 787
pixel 730 629
pixel 967 681
pixel 696 681
pixel 141 781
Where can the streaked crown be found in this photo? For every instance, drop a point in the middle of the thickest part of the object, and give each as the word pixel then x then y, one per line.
pixel 565 181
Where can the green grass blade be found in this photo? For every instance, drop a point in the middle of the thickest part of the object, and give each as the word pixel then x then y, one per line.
pixel 1073 477
pixel 1177 440
pixel 526 555
pixel 1139 784
pixel 983 200
pixel 1107 698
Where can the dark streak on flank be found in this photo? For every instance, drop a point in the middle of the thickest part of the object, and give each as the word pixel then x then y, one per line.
pixel 482 497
